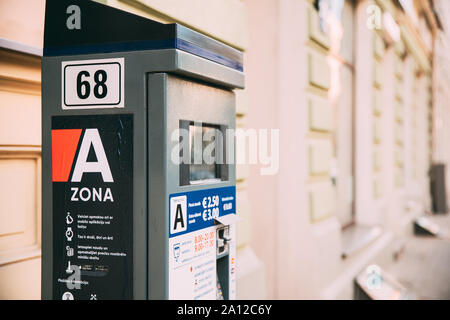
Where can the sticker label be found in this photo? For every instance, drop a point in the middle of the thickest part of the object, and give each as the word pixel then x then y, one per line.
pixel 201 208
pixel 178 214
pixel 91 84
pixel 92 174
pixel 193 263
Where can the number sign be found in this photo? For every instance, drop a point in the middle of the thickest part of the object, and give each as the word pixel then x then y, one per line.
pixel 93 84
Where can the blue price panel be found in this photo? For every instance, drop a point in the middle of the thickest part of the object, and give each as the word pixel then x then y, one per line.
pixel 195 210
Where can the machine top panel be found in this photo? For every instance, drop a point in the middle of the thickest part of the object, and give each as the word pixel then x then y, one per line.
pixel 86 27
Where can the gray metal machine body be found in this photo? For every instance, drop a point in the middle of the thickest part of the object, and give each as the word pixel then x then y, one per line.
pixel 164 89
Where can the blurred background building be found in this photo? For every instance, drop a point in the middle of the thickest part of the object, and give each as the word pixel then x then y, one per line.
pixel 359 90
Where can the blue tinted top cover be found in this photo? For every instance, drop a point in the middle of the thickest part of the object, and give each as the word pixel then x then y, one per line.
pixel 103 29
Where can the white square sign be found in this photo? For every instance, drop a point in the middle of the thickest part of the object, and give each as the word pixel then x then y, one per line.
pixel 178 214
pixel 91 84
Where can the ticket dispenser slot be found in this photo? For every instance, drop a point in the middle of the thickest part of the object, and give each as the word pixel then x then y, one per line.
pixel 223 261
pixel 124 101
pixel 223 239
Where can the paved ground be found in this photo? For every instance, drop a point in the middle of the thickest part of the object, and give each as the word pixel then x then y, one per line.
pixel 424 265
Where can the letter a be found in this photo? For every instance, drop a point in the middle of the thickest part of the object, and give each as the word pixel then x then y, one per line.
pixel 92 137
pixel 178 217
pixel 74 20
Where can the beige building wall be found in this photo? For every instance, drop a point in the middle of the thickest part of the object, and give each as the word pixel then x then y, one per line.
pixel 20 147
pixel 305 88
pixel 440 94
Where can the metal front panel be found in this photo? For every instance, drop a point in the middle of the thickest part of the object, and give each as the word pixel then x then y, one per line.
pixel 134 104
pixel 171 99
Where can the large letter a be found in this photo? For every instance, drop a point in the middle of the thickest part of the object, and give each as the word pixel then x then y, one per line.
pixel 92 137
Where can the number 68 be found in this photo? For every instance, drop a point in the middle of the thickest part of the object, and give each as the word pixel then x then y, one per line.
pixel 100 88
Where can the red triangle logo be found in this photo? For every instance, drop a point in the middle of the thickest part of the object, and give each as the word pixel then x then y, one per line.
pixel 64 147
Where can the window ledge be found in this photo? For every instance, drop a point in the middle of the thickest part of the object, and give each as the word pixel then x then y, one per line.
pixel 357 237
pixel 19 255
pixel 377 250
pixel 20 47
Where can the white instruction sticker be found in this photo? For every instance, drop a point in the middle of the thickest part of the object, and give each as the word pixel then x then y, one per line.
pixel 192 265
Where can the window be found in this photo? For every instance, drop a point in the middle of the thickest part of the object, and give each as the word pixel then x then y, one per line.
pixel 205 158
